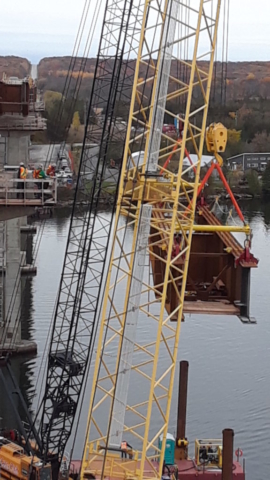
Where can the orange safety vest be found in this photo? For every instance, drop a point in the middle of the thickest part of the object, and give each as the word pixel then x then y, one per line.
pixel 23 173
pixel 36 173
pixel 50 171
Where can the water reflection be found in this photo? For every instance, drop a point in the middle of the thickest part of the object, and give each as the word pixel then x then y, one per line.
pixel 22 367
pixel 257 208
pixel 229 362
pixel 23 371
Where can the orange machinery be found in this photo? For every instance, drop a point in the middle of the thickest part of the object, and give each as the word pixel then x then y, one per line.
pixel 16 465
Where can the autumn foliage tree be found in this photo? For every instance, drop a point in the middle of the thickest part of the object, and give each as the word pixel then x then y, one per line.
pixel 234 136
pixel 59 115
pixel 76 121
pixel 234 142
pixel 261 142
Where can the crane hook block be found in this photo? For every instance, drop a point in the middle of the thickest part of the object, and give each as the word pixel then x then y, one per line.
pixel 216 138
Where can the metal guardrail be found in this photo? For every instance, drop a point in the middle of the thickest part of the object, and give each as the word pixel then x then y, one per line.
pixel 38 106
pixel 22 123
pixel 28 192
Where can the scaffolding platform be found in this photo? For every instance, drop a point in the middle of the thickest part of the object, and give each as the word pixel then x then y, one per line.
pixel 27 193
pixel 31 123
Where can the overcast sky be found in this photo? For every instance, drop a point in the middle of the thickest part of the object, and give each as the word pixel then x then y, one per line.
pixel 36 29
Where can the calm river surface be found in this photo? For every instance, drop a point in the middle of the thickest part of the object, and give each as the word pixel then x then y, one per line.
pixel 229 374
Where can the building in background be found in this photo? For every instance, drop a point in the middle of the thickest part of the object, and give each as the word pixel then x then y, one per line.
pixel 247 161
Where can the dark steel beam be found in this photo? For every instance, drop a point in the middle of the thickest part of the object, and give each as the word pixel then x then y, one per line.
pixel 181 451
pixel 227 454
pixel 216 279
pixel 182 400
pixel 245 293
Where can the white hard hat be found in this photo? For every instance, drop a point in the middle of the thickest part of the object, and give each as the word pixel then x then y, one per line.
pixel 21 164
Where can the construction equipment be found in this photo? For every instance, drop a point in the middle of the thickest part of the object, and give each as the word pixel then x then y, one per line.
pixel 124 436
pixel 155 209
pixel 74 323
pixel 208 452
pixel 14 463
pixel 216 140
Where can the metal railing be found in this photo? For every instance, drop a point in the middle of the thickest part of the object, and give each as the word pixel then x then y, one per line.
pixel 208 453
pixel 2 276
pixel 15 122
pixel 37 106
pixel 28 192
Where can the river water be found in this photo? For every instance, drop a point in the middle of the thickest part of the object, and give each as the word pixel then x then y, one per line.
pixel 229 374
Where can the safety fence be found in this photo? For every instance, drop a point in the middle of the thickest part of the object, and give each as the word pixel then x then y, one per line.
pixel 28 192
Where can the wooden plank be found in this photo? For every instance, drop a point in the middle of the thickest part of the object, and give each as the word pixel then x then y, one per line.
pixel 210 308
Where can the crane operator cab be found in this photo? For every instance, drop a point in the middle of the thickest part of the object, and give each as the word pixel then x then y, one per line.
pixel 15 464
pixel 41 472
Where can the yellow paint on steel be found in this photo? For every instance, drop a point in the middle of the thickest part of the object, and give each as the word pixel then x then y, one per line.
pixel 89 446
pixel 154 358
pixel 223 228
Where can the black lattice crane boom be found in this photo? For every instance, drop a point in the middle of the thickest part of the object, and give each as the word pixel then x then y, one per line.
pixel 75 316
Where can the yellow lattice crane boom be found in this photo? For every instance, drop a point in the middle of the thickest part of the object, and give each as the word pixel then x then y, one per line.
pixel 139 331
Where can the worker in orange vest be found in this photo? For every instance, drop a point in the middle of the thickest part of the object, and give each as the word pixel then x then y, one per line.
pixel 50 172
pixel 22 174
pixel 36 173
pixel 176 246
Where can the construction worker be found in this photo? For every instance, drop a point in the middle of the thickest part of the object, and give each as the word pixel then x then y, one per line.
pixel 22 174
pixel 39 174
pixel 50 172
pixel 176 246
pixel 36 172
pixel 42 174
pixel 35 175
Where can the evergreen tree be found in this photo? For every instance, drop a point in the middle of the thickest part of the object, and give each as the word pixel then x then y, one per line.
pixel 253 182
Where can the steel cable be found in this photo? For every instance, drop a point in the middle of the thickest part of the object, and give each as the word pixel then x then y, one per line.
pixel 90 359
pixel 128 210
pixel 86 51
pixel 72 214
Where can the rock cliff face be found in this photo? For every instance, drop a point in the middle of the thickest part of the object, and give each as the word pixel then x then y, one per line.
pixel 14 66
pixel 245 80
pixel 52 73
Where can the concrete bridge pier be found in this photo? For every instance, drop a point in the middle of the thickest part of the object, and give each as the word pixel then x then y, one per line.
pixel 15 235
pixel 17 147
